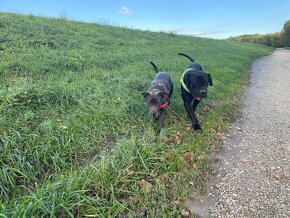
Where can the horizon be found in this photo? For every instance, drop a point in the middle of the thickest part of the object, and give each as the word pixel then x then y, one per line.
pixel 190 17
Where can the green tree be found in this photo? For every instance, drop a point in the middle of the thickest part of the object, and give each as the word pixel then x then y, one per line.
pixel 276 39
pixel 286 33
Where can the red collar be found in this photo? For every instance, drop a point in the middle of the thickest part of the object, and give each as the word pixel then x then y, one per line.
pixel 164 105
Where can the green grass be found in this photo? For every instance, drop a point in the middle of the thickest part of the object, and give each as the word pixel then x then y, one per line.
pixel 75 137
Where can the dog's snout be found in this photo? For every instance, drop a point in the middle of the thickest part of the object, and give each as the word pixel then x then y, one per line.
pixel 203 93
pixel 154 113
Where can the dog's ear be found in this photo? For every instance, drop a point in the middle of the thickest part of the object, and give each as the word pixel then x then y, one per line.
pixel 162 94
pixel 145 94
pixel 209 80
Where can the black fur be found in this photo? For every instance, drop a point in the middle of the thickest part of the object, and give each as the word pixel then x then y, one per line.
pixel 155 67
pixel 158 93
pixel 197 81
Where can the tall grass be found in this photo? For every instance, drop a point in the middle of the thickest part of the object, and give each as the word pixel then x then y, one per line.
pixel 75 138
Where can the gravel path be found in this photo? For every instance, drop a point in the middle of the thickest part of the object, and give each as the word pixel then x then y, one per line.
pixel 252 175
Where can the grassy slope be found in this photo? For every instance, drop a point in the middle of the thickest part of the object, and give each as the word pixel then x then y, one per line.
pixel 75 136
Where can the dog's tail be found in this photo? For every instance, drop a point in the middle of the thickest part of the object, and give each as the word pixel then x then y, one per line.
pixel 184 55
pixel 154 66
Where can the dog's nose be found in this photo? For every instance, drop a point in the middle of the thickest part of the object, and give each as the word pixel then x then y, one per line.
pixel 203 93
pixel 155 115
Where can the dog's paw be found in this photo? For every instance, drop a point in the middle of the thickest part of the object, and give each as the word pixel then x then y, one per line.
pixel 157 133
pixel 196 127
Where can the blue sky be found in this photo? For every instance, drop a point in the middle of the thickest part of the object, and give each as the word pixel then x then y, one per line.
pixel 206 18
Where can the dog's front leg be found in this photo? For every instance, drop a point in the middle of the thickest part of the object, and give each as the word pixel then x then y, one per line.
pixel 160 120
pixel 190 108
pixel 194 105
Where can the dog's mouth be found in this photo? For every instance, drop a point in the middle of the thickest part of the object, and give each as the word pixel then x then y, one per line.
pixel 199 97
pixel 154 116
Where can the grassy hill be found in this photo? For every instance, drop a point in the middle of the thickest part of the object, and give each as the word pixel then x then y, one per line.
pixel 75 137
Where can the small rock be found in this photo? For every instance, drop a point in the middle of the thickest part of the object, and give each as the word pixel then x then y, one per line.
pixel 218 186
pixel 231 208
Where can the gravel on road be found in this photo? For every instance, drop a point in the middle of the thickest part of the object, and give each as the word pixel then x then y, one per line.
pixel 252 176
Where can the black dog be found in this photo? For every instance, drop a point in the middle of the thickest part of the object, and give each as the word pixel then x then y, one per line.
pixel 194 83
pixel 158 96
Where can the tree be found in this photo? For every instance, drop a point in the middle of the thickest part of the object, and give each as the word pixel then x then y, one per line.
pixel 276 39
pixel 286 33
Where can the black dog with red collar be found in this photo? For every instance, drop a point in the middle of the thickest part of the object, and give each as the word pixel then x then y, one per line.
pixel 158 96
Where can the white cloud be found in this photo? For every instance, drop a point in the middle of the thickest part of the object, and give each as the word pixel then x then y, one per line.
pixel 178 30
pixel 184 31
pixel 125 10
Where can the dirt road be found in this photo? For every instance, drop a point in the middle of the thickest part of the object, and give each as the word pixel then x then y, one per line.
pixel 252 174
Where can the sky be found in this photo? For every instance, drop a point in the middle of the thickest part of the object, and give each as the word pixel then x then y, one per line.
pixel 217 19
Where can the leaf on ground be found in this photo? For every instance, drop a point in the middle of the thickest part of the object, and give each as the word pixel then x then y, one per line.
pixel 278 177
pixel 213 147
pixel 187 158
pixel 128 171
pixel 174 140
pixel 185 212
pixel 188 155
pixel 188 129
pixel 176 176
pixel 144 183
pixel 220 136
pixel 174 203
pixel 133 199
pixel 163 178
pixel 201 157
pixel 169 185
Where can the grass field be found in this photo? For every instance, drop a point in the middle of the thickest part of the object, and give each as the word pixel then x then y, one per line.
pixel 75 137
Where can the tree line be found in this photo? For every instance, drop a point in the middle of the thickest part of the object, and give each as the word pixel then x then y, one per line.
pixel 278 39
